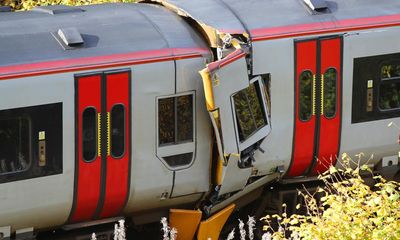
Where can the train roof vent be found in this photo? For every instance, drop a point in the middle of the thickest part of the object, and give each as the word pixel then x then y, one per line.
pixel 5 9
pixel 70 36
pixel 316 5
pixel 57 9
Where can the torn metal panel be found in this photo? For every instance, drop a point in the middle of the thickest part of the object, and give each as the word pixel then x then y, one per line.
pixel 221 80
pixel 213 17
pixel 234 178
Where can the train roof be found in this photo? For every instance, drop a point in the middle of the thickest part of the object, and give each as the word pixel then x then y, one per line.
pixel 106 29
pixel 255 15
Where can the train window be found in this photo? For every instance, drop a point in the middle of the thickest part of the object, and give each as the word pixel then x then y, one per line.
pixel 166 122
pixel 249 111
pixel 376 88
pixel 14 145
pixel 118 130
pixel 389 95
pixel 89 134
pixel 390 71
pixel 389 88
pixel 31 142
pixel 184 116
pixel 330 91
pixel 305 95
pixel 175 120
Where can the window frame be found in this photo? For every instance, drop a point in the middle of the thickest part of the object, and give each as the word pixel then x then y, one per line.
pixel 176 148
pixel 96 153
pixel 261 132
pixel 124 131
pixel 337 92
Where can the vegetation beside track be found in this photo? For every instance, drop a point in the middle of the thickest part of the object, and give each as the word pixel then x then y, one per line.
pixel 29 4
pixel 347 208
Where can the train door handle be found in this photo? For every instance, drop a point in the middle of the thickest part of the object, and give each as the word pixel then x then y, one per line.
pixel 99 134
pixel 314 89
pixel 108 134
pixel 322 94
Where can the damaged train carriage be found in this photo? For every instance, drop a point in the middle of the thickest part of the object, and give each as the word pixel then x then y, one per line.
pixel 187 106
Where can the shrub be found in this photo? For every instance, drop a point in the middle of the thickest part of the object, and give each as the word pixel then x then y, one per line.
pixel 29 4
pixel 348 209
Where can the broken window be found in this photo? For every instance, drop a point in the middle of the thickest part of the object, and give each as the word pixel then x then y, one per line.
pixel 249 110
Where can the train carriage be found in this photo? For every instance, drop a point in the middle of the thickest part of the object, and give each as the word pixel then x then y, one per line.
pixel 134 109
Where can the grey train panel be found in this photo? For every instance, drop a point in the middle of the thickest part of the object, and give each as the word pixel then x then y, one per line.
pixel 195 177
pixel 372 137
pixel 275 57
pixel 106 29
pixel 257 14
pixel 47 200
pixel 151 180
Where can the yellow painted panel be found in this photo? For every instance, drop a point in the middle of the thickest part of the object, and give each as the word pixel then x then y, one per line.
pixel 185 222
pixel 211 228
pixel 208 91
pixel 219 171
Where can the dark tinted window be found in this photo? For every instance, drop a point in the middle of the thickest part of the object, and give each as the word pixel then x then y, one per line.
pixel 330 85
pixel 89 134
pixel 31 142
pixel 389 88
pixel 391 70
pixel 184 118
pixel 389 95
pixel 118 131
pixel 175 119
pixel 376 88
pixel 166 120
pixel 179 160
pixel 14 145
pixel 249 111
pixel 305 95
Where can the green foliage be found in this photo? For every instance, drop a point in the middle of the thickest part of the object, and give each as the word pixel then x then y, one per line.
pixel 348 209
pixel 29 4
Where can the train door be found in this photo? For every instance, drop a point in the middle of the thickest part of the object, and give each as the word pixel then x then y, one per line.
pixel 238 113
pixel 318 91
pixel 102 144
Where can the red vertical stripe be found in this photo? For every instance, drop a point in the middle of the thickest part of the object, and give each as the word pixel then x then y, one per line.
pixel 88 176
pixel 117 174
pixel 304 133
pixel 330 127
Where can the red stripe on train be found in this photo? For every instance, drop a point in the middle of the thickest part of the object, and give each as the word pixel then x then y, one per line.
pixel 325 27
pixel 88 63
